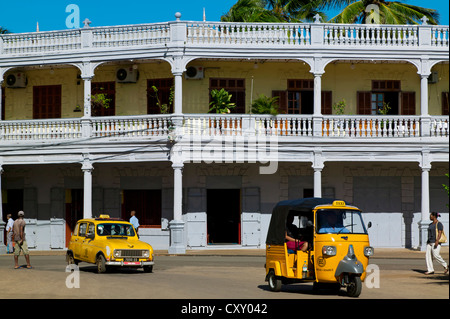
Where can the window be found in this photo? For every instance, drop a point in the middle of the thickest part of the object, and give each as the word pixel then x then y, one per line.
pixel 109 89
pixel 236 87
pixel 299 98
pixel 81 229
pixel 445 103
pixel 337 221
pixel 47 102
pixel 164 87
pixel 386 93
pixel 114 229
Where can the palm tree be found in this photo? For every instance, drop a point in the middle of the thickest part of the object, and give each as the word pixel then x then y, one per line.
pixel 272 11
pixel 389 12
pixel 3 30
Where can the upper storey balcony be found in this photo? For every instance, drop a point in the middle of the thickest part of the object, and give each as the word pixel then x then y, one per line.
pixel 310 49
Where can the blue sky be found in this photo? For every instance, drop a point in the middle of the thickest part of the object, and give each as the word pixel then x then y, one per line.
pixel 22 15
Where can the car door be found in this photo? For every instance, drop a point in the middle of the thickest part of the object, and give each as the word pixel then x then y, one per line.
pixel 89 244
pixel 79 240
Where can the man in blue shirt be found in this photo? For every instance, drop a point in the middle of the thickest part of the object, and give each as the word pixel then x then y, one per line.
pixel 331 225
pixel 134 221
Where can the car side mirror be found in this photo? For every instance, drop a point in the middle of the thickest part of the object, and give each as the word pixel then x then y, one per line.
pixel 90 235
pixel 369 225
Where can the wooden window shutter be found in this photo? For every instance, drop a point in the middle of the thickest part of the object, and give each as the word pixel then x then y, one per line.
pixel 408 103
pixel 109 89
pixel 364 103
pixel 47 102
pixel 3 97
pixel 444 103
pixel 282 101
pixel 327 107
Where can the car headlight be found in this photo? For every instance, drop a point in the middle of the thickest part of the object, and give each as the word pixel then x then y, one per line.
pixel 368 251
pixel 329 250
pixel 146 253
pixel 116 253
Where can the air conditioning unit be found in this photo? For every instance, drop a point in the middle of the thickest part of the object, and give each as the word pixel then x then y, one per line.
pixel 194 73
pixel 16 80
pixel 433 78
pixel 127 75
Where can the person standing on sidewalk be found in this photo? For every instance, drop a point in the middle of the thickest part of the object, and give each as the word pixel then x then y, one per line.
pixel 9 234
pixel 21 243
pixel 435 230
pixel 134 220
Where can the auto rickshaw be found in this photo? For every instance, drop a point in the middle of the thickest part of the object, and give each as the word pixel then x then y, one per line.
pixel 338 245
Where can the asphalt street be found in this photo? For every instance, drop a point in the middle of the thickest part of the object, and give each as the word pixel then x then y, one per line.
pixel 205 277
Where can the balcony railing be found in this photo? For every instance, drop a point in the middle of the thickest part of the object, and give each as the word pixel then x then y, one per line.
pixel 210 125
pixel 218 34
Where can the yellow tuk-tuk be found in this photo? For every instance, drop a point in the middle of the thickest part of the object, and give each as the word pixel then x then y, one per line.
pixel 338 245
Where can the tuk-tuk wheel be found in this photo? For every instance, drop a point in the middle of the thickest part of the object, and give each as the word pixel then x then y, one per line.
pixel 354 286
pixel 274 282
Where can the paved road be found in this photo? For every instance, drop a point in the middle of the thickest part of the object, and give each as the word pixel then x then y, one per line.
pixel 205 277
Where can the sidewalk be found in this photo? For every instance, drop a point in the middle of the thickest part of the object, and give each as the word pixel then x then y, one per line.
pixel 380 253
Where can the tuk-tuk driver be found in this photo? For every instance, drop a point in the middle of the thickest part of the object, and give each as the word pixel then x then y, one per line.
pixel 331 225
pixel 292 232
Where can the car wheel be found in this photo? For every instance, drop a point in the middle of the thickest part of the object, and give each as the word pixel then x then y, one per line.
pixel 148 268
pixel 70 260
pixel 101 264
pixel 354 286
pixel 274 282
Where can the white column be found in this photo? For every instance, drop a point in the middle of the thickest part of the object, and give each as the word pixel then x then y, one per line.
pixel 176 226
pixel 317 182
pixel 318 166
pixel 87 96
pixel 178 93
pixel 425 203
pixel 317 94
pixel 424 94
pixel 87 169
pixel 177 191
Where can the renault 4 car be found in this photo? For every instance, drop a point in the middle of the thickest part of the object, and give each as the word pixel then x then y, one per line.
pixel 108 242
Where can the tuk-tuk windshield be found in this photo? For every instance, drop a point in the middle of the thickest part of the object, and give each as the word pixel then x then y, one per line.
pixel 339 221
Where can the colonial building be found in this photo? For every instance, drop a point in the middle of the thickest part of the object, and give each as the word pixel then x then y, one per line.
pixel 363 118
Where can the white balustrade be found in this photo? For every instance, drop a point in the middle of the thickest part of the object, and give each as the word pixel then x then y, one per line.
pixel 226 33
pixel 131 126
pixel 369 35
pixel 131 35
pixel 51 129
pixel 208 125
pixel 229 33
pixel 439 36
pixel 439 126
pixel 371 126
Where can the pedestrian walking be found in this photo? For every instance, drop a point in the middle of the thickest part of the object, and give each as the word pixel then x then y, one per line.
pixel 134 220
pixel 20 240
pixel 435 233
pixel 9 234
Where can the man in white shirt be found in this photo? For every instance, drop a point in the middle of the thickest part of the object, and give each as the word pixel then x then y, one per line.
pixel 134 220
pixel 9 234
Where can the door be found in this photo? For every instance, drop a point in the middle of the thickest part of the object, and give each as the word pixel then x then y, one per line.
pixel 224 216
pixel 74 210
pixel 147 203
pixel 79 236
pixel 47 102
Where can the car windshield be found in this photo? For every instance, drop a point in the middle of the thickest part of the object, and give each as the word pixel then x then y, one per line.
pixel 115 229
pixel 339 221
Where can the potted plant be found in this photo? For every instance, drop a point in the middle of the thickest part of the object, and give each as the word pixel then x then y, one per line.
pixel 221 102
pixel 265 105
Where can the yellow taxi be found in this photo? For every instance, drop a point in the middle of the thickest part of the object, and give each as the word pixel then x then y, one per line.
pixel 108 242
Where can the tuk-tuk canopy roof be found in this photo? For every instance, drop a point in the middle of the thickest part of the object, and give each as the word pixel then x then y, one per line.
pixel 277 227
